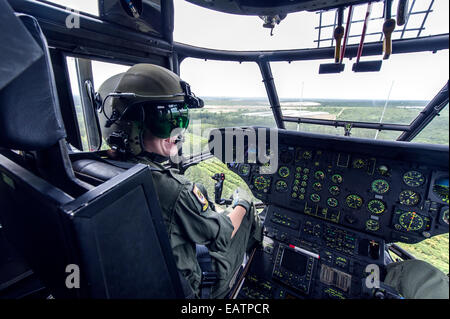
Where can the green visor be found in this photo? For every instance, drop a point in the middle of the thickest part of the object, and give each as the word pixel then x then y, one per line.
pixel 161 120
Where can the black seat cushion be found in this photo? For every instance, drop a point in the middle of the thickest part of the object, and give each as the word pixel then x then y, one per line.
pixel 95 172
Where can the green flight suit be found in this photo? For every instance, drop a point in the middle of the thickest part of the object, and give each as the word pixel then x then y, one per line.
pixel 417 279
pixel 190 221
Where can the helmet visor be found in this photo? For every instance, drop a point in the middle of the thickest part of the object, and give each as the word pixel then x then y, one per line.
pixel 162 120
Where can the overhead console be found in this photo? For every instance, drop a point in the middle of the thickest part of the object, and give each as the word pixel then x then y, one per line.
pixel 333 204
pixel 257 7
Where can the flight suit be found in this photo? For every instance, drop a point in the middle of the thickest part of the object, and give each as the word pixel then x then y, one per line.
pixel 417 279
pixel 190 219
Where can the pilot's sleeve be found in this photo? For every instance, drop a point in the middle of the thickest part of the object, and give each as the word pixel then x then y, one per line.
pixel 199 223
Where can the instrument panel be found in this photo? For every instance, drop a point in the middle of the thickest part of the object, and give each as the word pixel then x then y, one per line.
pixel 305 257
pixel 333 203
pixel 393 199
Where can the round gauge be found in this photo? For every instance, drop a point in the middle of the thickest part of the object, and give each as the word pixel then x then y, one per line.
pixel 307 155
pixel 337 178
pixel 359 163
pixel 283 171
pixel 332 202
pixel 319 175
pixel 261 183
pixel 244 169
pixel 409 198
pixel 376 206
pixel 413 178
pixel 440 189
pixel 383 170
pixel 411 221
pixel 444 216
pixel 380 186
pixel 281 186
pixel 334 190
pixel 315 198
pixel 317 186
pixel 354 201
pixel 372 225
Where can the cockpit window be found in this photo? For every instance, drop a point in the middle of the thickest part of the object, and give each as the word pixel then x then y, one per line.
pixel 395 95
pixel 233 93
pixel 431 133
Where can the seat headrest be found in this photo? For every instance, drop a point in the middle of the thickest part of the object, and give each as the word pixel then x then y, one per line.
pixel 30 117
pixel 19 50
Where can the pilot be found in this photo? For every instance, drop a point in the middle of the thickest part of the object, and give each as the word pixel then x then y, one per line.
pixel 138 128
pixel 150 102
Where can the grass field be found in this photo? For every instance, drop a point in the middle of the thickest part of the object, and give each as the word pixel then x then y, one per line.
pixel 235 112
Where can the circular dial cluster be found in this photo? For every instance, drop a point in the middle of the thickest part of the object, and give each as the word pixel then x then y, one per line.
pixel 284 171
pixel 410 221
pixel 372 225
pixel 376 206
pixel 444 215
pixel 380 186
pixel 261 183
pixel 281 186
pixel 244 169
pixel 337 178
pixel 334 190
pixel 359 163
pixel 413 178
pixel 300 183
pixel 354 201
pixel 409 198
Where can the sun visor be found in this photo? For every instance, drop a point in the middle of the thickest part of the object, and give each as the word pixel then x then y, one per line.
pixel 19 50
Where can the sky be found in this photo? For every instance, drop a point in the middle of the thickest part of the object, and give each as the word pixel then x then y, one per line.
pixel 406 76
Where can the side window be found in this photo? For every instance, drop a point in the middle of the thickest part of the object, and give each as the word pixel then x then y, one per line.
pixel 102 71
pixel 97 72
pixel 73 75
pixel 435 131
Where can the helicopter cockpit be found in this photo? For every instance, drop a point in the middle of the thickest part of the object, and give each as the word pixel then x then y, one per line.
pixel 332 114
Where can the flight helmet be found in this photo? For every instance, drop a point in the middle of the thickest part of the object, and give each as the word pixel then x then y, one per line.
pixel 148 97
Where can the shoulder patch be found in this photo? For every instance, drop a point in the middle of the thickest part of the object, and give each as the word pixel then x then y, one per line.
pixel 201 198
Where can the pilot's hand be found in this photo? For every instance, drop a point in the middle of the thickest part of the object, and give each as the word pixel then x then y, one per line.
pixel 242 198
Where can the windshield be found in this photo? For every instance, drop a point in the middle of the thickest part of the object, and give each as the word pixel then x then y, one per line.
pixel 395 95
